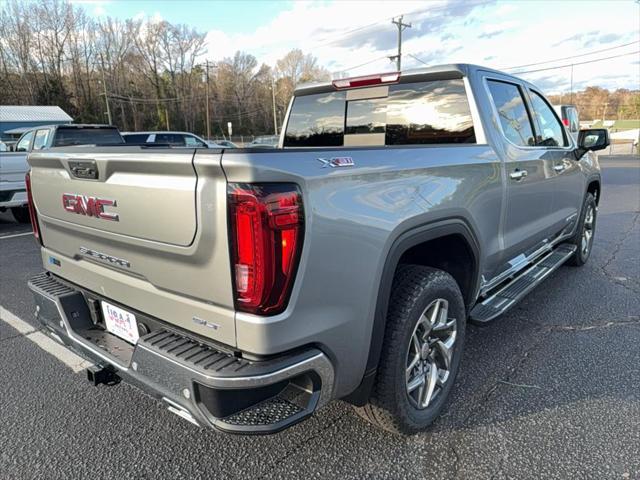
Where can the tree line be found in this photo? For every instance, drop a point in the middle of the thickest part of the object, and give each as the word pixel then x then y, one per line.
pixel 152 73
pixel 155 77
pixel 596 103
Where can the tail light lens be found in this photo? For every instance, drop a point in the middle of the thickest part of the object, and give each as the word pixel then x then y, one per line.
pixel 267 226
pixel 565 121
pixel 33 216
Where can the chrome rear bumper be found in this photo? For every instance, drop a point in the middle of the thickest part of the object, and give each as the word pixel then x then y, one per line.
pixel 197 380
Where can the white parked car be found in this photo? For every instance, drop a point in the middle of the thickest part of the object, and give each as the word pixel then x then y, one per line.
pixel 569 116
pixel 175 139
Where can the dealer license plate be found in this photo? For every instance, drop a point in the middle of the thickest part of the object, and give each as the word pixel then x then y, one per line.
pixel 120 322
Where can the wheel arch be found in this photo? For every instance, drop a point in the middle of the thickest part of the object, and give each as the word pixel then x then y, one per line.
pixel 453 227
pixel 594 187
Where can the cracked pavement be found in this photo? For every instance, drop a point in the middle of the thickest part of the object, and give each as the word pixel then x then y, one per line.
pixel 549 390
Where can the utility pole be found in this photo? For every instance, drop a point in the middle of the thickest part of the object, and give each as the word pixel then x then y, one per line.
pixel 571 84
pixel 401 26
pixel 207 80
pixel 273 96
pixel 604 111
pixel 104 90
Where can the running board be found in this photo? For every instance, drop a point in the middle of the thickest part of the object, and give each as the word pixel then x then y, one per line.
pixel 514 291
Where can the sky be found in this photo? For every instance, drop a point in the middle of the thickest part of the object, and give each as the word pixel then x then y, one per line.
pixel 356 37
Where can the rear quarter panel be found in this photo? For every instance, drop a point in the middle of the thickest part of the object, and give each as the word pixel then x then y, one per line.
pixel 353 215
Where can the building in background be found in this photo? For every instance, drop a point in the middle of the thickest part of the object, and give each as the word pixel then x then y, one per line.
pixel 16 119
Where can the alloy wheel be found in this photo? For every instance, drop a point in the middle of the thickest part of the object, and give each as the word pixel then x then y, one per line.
pixel 430 352
pixel 587 231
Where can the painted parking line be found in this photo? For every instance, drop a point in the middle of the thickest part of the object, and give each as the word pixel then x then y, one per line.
pixel 16 235
pixel 73 361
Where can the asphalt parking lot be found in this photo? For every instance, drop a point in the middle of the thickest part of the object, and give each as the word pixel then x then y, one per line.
pixel 550 390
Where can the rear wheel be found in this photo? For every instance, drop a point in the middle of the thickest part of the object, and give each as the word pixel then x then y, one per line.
pixel 583 239
pixel 21 214
pixel 421 352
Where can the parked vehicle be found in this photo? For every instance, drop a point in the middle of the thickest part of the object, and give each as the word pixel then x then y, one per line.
pixel 13 165
pixel 246 289
pixel 174 139
pixel 226 143
pixel 265 141
pixel 570 118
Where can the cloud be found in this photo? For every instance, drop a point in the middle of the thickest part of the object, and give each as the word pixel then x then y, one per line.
pixel 491 34
pixel 609 38
pixel 351 40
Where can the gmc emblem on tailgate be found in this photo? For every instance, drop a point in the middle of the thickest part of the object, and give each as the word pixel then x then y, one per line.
pixel 90 206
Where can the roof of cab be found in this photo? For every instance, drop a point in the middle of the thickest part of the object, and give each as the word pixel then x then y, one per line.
pixel 451 70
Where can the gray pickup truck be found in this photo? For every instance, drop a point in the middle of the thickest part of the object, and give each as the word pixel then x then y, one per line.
pixel 246 288
pixel 14 166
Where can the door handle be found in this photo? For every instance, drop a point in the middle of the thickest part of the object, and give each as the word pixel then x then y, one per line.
pixel 518 174
pixel 559 168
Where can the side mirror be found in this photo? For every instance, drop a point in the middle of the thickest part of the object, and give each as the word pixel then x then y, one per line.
pixel 592 139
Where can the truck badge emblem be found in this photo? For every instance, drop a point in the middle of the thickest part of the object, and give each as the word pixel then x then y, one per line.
pixel 335 162
pixel 89 206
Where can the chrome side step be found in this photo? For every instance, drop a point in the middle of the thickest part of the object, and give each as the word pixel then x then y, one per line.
pixel 510 294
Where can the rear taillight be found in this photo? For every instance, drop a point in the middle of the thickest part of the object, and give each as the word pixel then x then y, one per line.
pixel 33 216
pixel 565 121
pixel 266 222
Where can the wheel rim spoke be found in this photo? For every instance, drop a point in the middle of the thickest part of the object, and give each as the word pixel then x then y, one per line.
pixel 413 364
pixel 446 350
pixel 416 382
pixel 431 381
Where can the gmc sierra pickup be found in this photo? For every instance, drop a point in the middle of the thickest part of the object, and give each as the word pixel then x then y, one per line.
pixel 246 288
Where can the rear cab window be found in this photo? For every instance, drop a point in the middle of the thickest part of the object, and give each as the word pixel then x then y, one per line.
pixel 87 136
pixel 420 113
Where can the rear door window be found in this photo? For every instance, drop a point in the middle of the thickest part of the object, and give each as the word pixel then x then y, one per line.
pixel 574 124
pixel 41 139
pixel 192 141
pixel 137 139
pixel 173 139
pixel 512 112
pixel 551 131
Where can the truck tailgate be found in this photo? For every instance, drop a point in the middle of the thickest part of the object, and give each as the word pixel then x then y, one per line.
pixel 153 191
pixel 149 232
pixel 13 166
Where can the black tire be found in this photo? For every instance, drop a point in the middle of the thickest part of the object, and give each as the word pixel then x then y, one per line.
pixel 21 214
pixel 415 289
pixel 581 256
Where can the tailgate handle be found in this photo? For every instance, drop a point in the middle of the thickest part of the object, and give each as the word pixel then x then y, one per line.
pixel 86 169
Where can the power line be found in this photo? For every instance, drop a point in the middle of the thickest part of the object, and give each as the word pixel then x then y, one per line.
pixel 577 63
pixel 557 66
pixel 572 56
pixel 416 58
pixel 384 57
